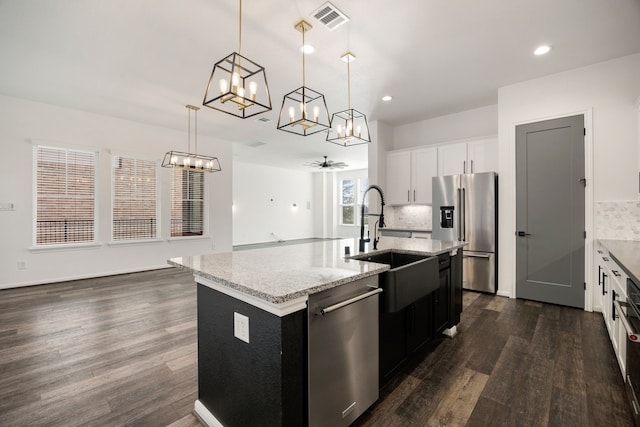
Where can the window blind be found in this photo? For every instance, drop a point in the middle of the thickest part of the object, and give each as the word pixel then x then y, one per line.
pixel 134 215
pixel 187 203
pixel 65 196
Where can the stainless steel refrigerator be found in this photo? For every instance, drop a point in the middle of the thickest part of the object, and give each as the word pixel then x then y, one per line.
pixel 465 208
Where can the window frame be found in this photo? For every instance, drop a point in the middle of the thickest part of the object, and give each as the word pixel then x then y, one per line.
pixel 357 205
pixel 205 210
pixel 157 199
pixel 35 196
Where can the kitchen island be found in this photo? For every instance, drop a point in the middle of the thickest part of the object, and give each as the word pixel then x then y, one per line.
pixel 253 322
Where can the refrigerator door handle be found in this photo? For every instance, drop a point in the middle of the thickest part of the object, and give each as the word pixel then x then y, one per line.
pixel 459 236
pixel 464 216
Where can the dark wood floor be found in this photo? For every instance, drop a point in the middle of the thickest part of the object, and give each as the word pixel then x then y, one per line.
pixel 122 351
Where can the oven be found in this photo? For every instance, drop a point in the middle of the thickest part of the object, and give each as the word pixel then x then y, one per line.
pixel 629 313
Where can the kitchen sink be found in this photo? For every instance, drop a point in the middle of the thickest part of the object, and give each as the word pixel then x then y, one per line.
pixel 410 278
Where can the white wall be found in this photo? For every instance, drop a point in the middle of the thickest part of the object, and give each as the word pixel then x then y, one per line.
pixel 467 124
pixel 263 198
pixel 606 93
pixel 22 120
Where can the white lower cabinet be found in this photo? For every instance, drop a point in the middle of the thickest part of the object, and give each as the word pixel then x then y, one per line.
pixel 612 284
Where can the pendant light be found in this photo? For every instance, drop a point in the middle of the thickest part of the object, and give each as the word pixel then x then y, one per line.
pixel 238 86
pixel 188 160
pixel 349 127
pixel 304 110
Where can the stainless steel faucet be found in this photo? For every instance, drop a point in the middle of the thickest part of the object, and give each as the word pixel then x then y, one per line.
pixel 378 224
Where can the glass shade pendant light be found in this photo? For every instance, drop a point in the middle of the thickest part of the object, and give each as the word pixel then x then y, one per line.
pixel 304 110
pixel 238 86
pixel 191 161
pixel 349 127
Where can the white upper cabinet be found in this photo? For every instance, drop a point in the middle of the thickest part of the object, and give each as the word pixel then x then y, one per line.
pixel 468 157
pixel 398 178
pixel 424 166
pixel 482 155
pixel 409 176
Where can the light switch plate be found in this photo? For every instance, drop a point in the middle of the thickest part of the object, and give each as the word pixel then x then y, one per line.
pixel 241 327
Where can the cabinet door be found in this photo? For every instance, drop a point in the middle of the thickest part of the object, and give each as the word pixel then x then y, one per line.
pixel 424 166
pixel 441 302
pixel 398 178
pixel 482 156
pixel 419 329
pixel 452 159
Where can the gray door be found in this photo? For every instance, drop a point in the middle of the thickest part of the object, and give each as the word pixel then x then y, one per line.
pixel 550 211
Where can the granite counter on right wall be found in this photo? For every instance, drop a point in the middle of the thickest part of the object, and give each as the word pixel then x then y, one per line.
pixel 618 220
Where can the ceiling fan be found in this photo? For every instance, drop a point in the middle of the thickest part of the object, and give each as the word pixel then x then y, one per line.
pixel 327 164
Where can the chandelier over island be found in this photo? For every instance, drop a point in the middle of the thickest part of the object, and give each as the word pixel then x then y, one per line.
pixel 238 86
pixel 304 110
pixel 349 127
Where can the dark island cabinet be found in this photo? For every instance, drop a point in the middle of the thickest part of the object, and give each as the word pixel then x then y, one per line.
pixel 403 333
pixel 442 296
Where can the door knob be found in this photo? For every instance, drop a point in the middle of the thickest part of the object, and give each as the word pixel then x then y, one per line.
pixel 522 233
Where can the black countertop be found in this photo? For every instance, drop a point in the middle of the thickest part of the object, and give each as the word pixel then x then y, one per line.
pixel 627 254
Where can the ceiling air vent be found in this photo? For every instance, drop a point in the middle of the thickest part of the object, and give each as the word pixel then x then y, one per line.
pixel 330 16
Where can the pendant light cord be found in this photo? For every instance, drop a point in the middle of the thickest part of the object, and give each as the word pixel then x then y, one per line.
pixel 240 29
pixel 349 84
pixel 195 137
pixel 303 30
pixel 189 130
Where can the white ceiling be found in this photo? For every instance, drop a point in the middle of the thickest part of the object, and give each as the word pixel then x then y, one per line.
pixel 143 60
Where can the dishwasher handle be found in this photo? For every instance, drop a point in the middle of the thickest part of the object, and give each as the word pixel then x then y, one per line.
pixel 349 301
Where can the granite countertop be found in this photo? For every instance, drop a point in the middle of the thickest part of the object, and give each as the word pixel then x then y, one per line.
pixel 284 273
pixel 625 253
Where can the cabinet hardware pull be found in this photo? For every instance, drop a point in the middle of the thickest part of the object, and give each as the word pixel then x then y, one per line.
pixel 471 166
pixel 408 196
pixel 631 334
pixel 464 166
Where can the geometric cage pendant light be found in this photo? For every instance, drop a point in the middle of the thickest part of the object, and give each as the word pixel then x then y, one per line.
pixel 191 161
pixel 304 110
pixel 238 86
pixel 349 127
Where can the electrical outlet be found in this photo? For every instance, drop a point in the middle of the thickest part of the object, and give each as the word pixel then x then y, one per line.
pixel 22 265
pixel 241 327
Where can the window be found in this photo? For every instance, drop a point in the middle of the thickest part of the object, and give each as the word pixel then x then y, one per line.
pixel 187 202
pixel 351 192
pixel 134 215
pixel 65 196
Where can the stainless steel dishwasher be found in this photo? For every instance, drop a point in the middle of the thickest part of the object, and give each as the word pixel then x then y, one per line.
pixel 343 352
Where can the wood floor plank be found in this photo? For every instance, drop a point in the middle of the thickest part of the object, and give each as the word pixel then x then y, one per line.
pixel 456 407
pixel 122 350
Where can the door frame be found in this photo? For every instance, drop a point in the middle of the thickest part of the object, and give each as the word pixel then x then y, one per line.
pixel 589 205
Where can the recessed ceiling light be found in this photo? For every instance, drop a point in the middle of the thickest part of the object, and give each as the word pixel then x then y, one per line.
pixel 307 48
pixel 541 50
pixel 387 98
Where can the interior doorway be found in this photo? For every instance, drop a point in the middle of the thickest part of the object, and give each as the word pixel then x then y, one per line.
pixel 550 211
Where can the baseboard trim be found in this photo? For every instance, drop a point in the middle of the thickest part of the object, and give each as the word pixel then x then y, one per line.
pixel 82 277
pixel 205 417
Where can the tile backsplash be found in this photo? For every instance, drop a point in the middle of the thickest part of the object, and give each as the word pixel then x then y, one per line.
pixel 414 216
pixel 618 220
